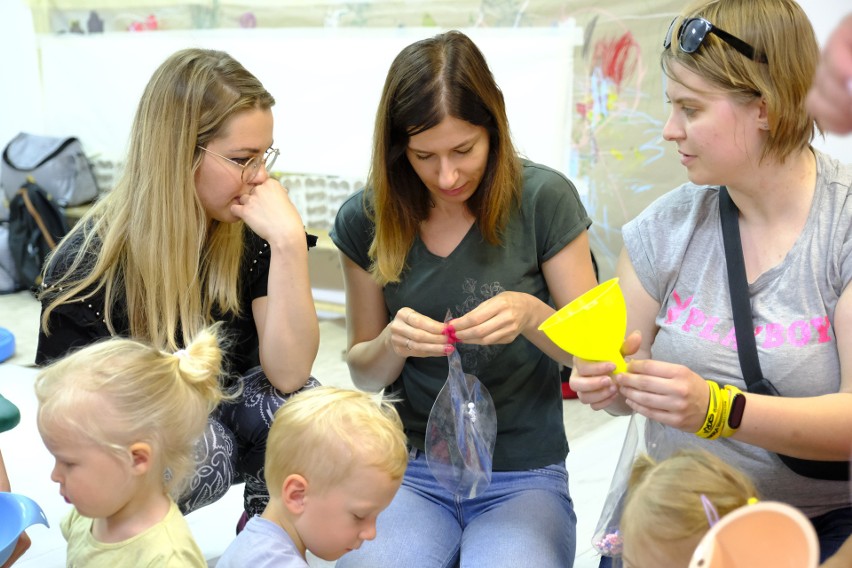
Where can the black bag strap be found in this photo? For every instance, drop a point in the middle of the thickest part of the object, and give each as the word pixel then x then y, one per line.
pixel 740 304
pixel 45 233
pixel 747 346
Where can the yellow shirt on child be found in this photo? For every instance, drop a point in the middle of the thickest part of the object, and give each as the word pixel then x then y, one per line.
pixel 168 544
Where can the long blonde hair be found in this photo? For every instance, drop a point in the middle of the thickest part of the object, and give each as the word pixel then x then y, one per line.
pixel 781 30
pixel 429 80
pixel 119 391
pixel 148 242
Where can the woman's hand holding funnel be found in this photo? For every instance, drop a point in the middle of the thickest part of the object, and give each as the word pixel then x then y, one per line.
pixel 594 382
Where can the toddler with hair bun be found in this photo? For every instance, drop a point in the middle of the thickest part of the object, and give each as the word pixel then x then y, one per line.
pixel 121 419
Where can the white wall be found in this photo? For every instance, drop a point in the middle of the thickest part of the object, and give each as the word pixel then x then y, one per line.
pixel 20 87
pixel 326 82
pixel 22 104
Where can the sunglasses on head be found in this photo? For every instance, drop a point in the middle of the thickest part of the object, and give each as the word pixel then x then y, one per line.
pixel 693 31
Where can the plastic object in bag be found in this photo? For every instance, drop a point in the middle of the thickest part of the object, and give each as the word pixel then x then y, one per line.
pixel 461 433
pixel 637 440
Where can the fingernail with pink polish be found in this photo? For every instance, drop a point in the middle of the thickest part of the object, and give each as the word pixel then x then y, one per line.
pixel 450 332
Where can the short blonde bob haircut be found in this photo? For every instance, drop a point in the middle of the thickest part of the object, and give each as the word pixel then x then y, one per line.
pixel 781 30
pixel 324 433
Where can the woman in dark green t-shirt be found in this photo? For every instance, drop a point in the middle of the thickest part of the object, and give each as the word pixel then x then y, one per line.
pixel 453 220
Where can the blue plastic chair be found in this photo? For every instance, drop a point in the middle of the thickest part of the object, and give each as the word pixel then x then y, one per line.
pixel 7 344
pixel 17 512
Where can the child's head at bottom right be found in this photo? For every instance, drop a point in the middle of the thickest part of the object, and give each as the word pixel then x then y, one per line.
pixel 334 460
pixel 673 503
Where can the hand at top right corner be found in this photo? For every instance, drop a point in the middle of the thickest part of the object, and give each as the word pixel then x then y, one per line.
pixel 830 97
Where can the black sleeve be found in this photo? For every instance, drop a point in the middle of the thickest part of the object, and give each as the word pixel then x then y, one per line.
pixel 72 326
pixel 256 262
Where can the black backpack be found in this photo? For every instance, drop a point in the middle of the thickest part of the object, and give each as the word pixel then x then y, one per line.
pixel 36 225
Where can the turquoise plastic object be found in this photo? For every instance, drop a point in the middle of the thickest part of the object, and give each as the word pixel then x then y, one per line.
pixel 9 416
pixel 7 344
pixel 17 512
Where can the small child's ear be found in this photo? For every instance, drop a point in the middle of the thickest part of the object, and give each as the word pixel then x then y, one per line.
pixel 293 492
pixel 140 454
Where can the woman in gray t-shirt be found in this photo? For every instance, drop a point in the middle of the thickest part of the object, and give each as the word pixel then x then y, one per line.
pixel 737 90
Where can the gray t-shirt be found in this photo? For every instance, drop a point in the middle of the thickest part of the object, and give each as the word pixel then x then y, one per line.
pixel 262 544
pixel 677 250
pixel 523 382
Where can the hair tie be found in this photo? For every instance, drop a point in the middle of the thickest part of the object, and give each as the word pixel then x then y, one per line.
pixel 181 354
pixel 752 500
pixel 709 510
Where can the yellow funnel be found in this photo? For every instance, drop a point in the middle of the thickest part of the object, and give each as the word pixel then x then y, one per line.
pixel 592 327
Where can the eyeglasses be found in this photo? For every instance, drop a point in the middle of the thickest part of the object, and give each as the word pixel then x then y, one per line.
pixel 250 166
pixel 693 31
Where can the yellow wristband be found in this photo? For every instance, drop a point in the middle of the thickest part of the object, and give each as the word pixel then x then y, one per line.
pixel 724 408
pixel 712 427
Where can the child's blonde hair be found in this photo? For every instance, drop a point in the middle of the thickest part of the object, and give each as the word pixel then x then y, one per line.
pixel 324 432
pixel 119 392
pixel 671 502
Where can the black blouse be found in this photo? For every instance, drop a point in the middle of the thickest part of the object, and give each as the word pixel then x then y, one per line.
pixel 79 323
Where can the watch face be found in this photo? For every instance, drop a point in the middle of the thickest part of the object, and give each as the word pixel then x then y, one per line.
pixel 737 407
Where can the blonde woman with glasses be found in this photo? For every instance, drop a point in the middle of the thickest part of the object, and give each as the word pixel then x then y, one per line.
pixel 196 232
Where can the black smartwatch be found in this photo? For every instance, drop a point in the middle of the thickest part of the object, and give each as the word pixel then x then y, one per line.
pixel 737 407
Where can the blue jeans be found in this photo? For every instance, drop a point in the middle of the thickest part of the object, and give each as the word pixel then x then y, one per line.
pixel 832 528
pixel 524 518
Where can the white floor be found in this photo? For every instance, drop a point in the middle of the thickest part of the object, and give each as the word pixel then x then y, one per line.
pixel 595 441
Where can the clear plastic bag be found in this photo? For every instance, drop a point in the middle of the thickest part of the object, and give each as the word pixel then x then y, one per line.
pixel 607 536
pixel 461 433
